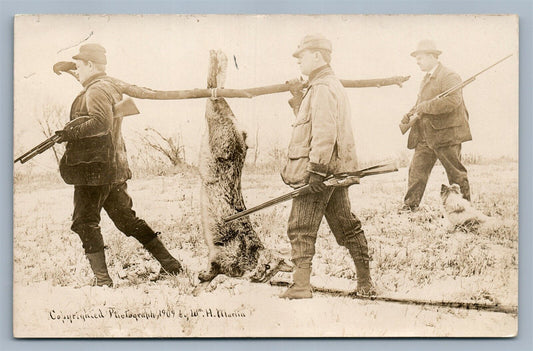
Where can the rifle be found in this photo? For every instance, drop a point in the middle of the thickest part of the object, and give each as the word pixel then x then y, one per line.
pixel 336 180
pixel 404 127
pixel 121 109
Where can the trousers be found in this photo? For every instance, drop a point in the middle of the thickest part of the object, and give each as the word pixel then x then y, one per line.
pixel 422 163
pixel 305 218
pixel 114 199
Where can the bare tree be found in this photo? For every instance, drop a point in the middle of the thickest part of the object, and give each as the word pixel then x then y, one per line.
pixel 51 120
pixel 171 148
pixel 277 155
pixel 256 150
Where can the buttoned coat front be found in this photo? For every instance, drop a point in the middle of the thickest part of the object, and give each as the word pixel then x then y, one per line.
pixel 443 121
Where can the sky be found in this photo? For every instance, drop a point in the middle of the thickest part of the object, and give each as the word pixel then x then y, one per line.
pixel 170 52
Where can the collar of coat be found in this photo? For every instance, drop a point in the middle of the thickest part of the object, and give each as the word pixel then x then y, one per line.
pixel 319 73
pixel 92 79
pixel 436 70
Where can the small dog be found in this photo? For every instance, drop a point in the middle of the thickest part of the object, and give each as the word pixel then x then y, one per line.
pixel 459 211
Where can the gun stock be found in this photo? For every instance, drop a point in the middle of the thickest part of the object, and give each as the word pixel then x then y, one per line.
pixel 404 127
pixel 124 108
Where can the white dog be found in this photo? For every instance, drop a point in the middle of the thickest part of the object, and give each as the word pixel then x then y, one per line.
pixel 459 211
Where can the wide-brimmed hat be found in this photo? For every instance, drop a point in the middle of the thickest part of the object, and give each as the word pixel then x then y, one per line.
pixel 426 46
pixel 313 41
pixel 92 52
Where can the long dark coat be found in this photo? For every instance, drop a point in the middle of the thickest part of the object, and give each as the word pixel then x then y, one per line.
pixel 95 153
pixel 443 121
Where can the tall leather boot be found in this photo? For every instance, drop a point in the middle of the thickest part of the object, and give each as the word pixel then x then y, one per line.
pixel 365 287
pixel 301 286
pixel 168 263
pixel 99 267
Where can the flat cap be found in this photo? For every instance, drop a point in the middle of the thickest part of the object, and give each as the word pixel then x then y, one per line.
pixel 92 52
pixel 313 41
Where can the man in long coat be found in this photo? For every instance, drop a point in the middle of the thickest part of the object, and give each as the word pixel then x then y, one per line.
pixel 322 144
pixel 441 128
pixel 95 162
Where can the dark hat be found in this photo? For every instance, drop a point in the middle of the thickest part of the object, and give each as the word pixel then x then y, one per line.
pixel 313 41
pixel 426 46
pixel 92 52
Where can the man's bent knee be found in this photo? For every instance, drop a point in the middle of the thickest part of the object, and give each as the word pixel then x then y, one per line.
pixel 91 237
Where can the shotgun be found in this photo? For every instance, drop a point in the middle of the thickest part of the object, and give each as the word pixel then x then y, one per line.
pixel 336 180
pixel 121 109
pixel 404 127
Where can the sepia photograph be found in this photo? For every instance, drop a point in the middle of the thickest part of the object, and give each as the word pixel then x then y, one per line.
pixel 236 176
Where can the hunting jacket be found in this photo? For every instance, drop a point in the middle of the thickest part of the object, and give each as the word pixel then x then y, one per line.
pixel 444 121
pixel 95 153
pixel 322 139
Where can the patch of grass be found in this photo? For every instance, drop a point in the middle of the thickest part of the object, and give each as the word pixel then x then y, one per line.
pixel 410 252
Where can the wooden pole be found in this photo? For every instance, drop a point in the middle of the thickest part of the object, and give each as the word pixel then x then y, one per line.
pixel 147 93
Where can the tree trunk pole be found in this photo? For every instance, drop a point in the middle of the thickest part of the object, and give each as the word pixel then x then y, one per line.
pixel 147 93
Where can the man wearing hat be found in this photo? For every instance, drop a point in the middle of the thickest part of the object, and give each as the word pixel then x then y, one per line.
pixel 441 127
pixel 322 144
pixel 95 162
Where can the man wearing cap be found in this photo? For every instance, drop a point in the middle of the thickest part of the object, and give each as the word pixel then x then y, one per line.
pixel 95 162
pixel 322 144
pixel 441 127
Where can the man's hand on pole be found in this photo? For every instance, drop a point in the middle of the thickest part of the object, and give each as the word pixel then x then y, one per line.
pixel 406 118
pixel 296 87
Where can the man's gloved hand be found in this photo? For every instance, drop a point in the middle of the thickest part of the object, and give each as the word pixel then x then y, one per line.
pixel 406 118
pixel 316 183
pixel 64 66
pixel 296 87
pixel 63 136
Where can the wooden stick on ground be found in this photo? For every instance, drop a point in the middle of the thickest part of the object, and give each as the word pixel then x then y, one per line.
pixel 406 301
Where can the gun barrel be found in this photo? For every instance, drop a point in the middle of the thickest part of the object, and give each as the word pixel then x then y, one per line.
pixel 33 149
pixel 404 127
pixel 123 108
pixel 471 79
pixel 39 149
pixel 37 152
pixel 374 170
pixel 269 203
pixel 494 64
